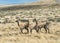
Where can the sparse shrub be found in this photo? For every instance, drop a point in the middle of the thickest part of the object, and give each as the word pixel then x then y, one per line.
pixel 51 19
pixel 58 19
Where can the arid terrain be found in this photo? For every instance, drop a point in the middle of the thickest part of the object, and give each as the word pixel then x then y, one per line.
pixel 10 32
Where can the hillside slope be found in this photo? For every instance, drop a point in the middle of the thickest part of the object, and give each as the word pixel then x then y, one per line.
pixel 10 32
pixel 29 5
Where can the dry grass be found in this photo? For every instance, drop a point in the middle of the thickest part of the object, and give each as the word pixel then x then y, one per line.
pixel 10 33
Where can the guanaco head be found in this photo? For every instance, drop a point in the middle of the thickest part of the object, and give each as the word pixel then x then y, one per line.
pixel 34 20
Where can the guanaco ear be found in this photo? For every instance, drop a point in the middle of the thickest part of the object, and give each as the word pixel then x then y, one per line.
pixel 34 19
pixel 16 21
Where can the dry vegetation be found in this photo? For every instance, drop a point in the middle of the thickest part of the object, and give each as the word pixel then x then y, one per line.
pixel 10 32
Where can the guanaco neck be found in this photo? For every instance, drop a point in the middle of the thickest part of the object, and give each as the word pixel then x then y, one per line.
pixel 18 23
pixel 27 24
pixel 36 23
